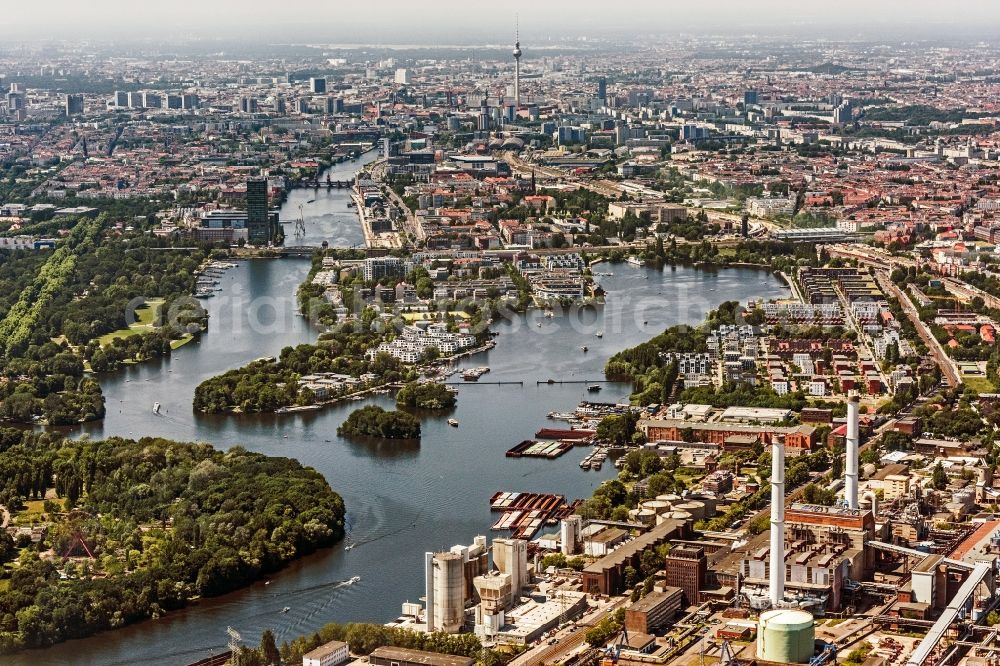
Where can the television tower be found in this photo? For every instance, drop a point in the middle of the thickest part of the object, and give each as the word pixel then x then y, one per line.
pixel 517 65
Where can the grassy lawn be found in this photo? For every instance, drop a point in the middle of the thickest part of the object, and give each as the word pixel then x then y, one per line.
pixel 32 511
pixel 979 384
pixel 145 316
pixel 177 344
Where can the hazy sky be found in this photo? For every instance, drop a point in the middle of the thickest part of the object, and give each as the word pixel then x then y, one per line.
pixel 434 20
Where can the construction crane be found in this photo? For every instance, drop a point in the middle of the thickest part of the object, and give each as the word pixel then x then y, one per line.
pixel 613 652
pixel 727 657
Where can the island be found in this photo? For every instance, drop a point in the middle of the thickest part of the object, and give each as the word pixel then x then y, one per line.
pixel 373 421
pixel 430 395
pixel 106 533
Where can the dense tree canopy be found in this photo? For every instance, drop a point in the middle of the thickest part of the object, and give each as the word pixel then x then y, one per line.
pixel 165 522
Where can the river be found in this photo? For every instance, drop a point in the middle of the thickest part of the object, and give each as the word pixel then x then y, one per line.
pixel 402 499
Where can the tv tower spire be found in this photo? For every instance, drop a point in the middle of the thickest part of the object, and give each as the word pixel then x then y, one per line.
pixel 517 62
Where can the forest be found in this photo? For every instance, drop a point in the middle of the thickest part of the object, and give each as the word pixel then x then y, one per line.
pixel 55 305
pixel 164 522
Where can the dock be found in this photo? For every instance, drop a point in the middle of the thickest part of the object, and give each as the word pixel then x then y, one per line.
pixel 524 514
pixel 531 448
pixel 478 383
pixel 575 381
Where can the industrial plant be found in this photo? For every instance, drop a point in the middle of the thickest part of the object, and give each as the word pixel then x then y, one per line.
pixel 875 572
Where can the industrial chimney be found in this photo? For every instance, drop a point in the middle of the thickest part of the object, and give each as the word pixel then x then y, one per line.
pixel 776 590
pixel 851 466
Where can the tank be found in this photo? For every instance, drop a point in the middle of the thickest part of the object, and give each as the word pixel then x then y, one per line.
pixel 646 516
pixel 696 509
pixel 656 506
pixel 668 498
pixel 786 636
pixel 449 591
pixel 678 515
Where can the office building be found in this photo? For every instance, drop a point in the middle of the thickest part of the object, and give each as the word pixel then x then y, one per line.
pixel 121 99
pixel 248 104
pixel 175 101
pixel 135 100
pixel 333 653
pixel 376 268
pixel 602 88
pixel 751 98
pixel 74 105
pixel 317 86
pixel 189 101
pixel 258 222
pixel 654 611
pixel 686 567
pixel 151 100
pixel 402 77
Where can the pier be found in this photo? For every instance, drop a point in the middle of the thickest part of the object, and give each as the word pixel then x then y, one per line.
pixel 479 383
pixel 574 381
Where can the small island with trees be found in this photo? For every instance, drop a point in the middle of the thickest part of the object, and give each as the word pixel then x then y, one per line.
pixel 429 395
pixel 373 421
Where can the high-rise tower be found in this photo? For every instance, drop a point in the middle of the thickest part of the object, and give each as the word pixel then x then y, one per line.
pixel 517 67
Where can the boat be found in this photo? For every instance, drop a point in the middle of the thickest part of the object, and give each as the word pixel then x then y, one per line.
pixel 549 314
pixel 585 348
pixel 453 423
pixel 635 261
pixel 353 580
pixel 311 201
pixel 550 381
pixel 600 334
pixel 539 324
pixel 267 582
pixel 349 546
pixel 285 609
pixel 594 388
pixel 351 204
pixel 156 408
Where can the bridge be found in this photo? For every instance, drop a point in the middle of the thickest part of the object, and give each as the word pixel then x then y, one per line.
pixel 922 652
pixel 328 184
pixel 903 550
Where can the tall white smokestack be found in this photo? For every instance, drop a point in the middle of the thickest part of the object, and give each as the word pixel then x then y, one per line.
pixel 851 466
pixel 776 590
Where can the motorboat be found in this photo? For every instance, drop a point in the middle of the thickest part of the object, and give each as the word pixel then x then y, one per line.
pixel 156 408
pixel 453 423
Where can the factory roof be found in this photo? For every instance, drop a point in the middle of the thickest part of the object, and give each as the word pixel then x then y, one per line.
pixel 419 657
pixel 627 550
pixel 654 599
pixel 325 649
pixel 969 546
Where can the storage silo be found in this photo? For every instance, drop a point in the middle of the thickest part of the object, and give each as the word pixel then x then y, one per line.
pixel 646 516
pixel 449 592
pixel 786 636
pixel 656 506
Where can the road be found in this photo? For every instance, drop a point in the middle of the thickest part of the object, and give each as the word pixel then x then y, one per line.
pixel 948 368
